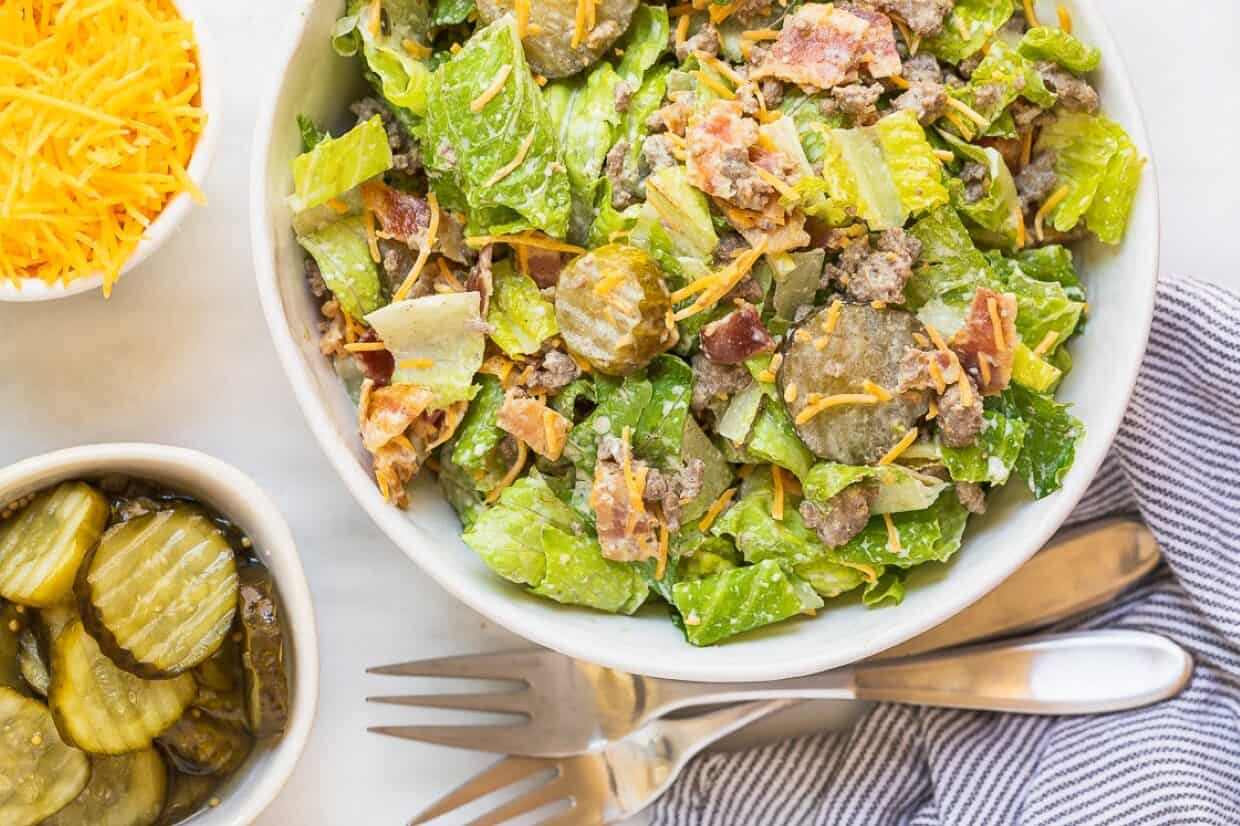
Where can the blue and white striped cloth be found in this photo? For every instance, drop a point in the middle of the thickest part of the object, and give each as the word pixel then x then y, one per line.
pixel 1176 461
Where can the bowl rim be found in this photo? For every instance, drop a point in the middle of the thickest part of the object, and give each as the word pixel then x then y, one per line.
pixel 39 472
pixel 169 219
pixel 420 546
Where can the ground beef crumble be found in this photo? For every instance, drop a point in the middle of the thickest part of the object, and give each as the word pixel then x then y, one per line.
pixel 841 517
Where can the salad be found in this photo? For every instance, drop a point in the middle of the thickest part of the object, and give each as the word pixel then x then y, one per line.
pixel 736 307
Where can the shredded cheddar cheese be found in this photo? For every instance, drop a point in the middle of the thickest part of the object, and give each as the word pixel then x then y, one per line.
pixel 661 566
pixel 983 366
pixel 709 81
pixel 368 219
pixel 893 536
pixel 996 324
pixel 424 252
pixel 944 155
pixel 968 111
pixel 936 375
pixel 760 35
pixel 416 49
pixel 716 508
pixel 518 159
pixel 899 82
pixel 1046 209
pixel 960 125
pixel 778 184
pixel 529 238
pixel 494 88
pixel 366 347
pixel 522 8
pixel 99 117
pixel 714 286
pixel 682 29
pixel 933 413
pixel 904 444
pixel 1021 237
pixel 790 392
pixel 875 390
pixel 777 501
pixel 813 408
pixel 417 364
pixel 1047 342
pixel 1030 17
pixel 1065 19
pixel 523 453
pixel 375 20
pixel 937 338
pixel 1026 149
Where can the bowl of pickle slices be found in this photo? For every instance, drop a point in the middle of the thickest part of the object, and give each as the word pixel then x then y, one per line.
pixel 157 646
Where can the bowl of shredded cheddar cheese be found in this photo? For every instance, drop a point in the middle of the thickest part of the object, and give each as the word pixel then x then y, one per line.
pixel 105 138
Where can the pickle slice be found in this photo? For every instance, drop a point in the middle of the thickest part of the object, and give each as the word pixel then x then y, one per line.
pixel 160 592
pixel 43 545
pixel 39 773
pixel 187 794
pixel 198 743
pixel 262 654
pixel 30 660
pixel 102 709
pixel 12 626
pixel 124 790
pixel 50 620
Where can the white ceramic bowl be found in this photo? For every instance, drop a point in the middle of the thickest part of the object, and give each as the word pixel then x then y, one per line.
pixel 1107 356
pixel 166 223
pixel 235 495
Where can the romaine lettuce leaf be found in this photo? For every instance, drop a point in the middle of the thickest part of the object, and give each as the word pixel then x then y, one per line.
pixel 887 588
pixel 1006 75
pixel 830 579
pixel 336 165
pixel 343 255
pixel 400 78
pixel 1054 44
pixel 810 122
pixel 916 172
pixel 968 27
pixel 857 176
pixel 716 472
pixel 610 222
pixel 740 600
pixel 451 12
pixel 311 134
pixel 520 318
pixel 586 118
pixel 759 536
pixel 578 574
pixel 634 123
pixel 995 217
pixel 1107 216
pixel 476 447
pixel 1042 307
pixel 1052 262
pixel 620 405
pixel 644 43
pixel 737 420
pixel 773 439
pixel 1086 149
pixel 1051 441
pixel 437 341
pixel 660 429
pixel 1033 371
pixel 458 488
pixel 930 535
pixel 993 456
pixel 504 158
pixel 899 488
pixel 949 266
pixel 674 225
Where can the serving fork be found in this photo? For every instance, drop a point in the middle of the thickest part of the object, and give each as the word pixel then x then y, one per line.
pixel 1076 673
pixel 571 706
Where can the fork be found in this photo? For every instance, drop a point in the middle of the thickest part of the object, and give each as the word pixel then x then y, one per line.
pixel 1076 673
pixel 572 706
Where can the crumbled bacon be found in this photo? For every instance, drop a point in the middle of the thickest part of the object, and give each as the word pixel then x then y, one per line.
pixel 544 266
pixel 406 218
pixel 384 413
pixel 399 432
pixel 736 337
pixel 823 45
pixel 531 421
pixel 376 365
pixel 977 340
pixel 481 279
pixel 718 163
pixel 627 532
pixel 915 370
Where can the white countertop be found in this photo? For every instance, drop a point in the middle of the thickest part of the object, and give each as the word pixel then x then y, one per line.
pixel 180 354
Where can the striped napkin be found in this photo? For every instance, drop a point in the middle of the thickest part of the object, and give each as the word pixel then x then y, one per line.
pixel 1176 461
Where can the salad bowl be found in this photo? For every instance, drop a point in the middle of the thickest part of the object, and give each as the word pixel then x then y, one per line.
pixel 1121 279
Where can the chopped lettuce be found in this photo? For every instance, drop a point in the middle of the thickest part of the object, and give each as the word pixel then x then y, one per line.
pixel 740 600
pixel 899 488
pixel 311 134
pixel 399 77
pixel 451 12
pixel 437 341
pixel 343 255
pixel 660 429
pixel 760 536
pixel 675 225
pixel 459 488
pixel 475 450
pixel 968 27
pixel 532 538
pixel 1005 75
pixel 1042 307
pixel 585 111
pixel 1052 262
pixel 1056 45
pixel 620 405
pixel 993 456
pixel 1099 166
pixel 716 472
pixel 830 579
pixel 565 401
pixel 930 535
pixel 857 177
pixel 916 172
pixel 995 217
pixel 336 165
pixel 609 222
pixel 520 318
pixel 504 158
pixel 1033 371
pixel 887 588
pixel 644 43
pixel 634 127
pixel 1051 441
pixel 949 266
pixel 773 438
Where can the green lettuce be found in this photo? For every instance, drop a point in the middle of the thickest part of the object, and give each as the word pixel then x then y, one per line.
pixel 475 150
pixel 830 579
pixel 620 405
pixel 1003 69
pixel 644 43
pixel 995 217
pixel 675 226
pixel 336 165
pixel 532 538
pixel 610 222
pixel 968 27
pixel 993 456
pixel 459 488
pixel 889 588
pixel 451 12
pixel 586 113
pixel 1052 262
pixel 634 128
pixel 1058 46
pixel 444 333
pixel 759 536
pixel 949 266
pixel 1098 163
pixel 740 600
pixel 475 450
pixel 930 535
pixel 916 172
pixel 520 318
pixel 1050 442
pixel 311 134
pixel 343 255
pixel 1033 371
pixel 899 488
pixel 773 439
pixel 1042 307
pixel 660 429
pixel 400 78
pixel 856 176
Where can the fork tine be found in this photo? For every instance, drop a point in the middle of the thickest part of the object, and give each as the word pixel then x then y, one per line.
pixel 498 776
pixel 512 702
pixel 496 739
pixel 549 792
pixel 497 666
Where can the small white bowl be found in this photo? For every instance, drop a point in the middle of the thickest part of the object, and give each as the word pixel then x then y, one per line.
pixel 1108 355
pixel 238 497
pixel 166 223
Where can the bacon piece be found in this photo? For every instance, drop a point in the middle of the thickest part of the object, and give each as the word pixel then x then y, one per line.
pixel 625 533
pixel 531 421
pixel 386 412
pixel 736 336
pixel 406 218
pixel 916 373
pixel 977 340
pixel 789 235
pixel 822 45
pixel 718 163
pixel 376 365
pixel 878 45
pixel 544 266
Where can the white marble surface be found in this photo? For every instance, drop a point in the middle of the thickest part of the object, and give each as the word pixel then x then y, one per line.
pixel 180 354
